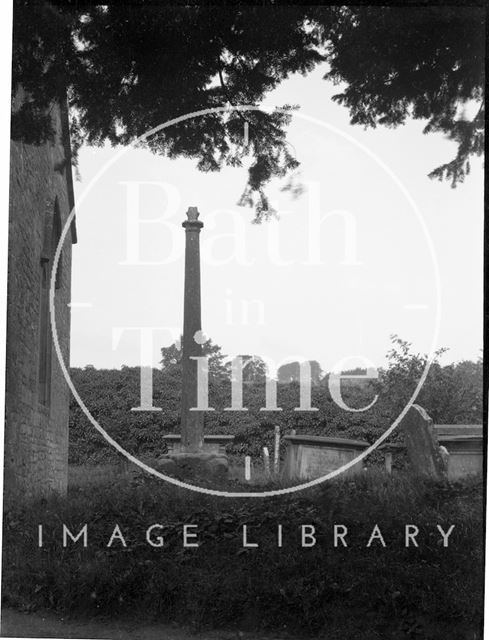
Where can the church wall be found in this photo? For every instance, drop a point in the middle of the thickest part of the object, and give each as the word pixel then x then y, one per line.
pixel 36 434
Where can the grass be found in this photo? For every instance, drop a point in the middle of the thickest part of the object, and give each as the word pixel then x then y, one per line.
pixel 355 592
pixel 97 475
pixel 102 474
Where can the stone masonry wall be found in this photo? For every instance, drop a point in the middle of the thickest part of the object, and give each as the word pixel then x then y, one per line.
pixel 36 436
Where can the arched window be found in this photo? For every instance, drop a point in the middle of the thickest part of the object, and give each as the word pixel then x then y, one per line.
pixel 52 234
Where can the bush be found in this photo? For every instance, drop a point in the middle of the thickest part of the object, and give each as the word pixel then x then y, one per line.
pixel 451 394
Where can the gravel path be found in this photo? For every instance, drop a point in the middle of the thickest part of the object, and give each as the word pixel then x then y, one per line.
pixel 15 624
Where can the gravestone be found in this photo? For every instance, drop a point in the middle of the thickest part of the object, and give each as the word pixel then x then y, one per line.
pixel 390 449
pixel 422 444
pixel 461 448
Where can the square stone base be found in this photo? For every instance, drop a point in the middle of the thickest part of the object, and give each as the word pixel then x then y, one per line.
pixel 192 466
pixel 215 444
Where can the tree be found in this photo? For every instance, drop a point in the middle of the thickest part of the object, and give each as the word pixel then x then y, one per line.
pixel 171 359
pixel 404 371
pixel 128 67
pixel 452 394
pixel 415 62
pixel 290 372
pixel 254 369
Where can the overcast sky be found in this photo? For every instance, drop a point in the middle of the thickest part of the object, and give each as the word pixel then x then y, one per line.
pixel 295 287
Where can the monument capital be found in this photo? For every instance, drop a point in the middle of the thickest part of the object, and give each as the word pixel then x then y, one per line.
pixel 192 222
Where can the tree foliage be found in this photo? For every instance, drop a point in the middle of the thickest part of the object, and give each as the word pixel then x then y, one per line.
pixel 451 393
pixel 255 369
pixel 419 62
pixel 128 67
pixel 291 372
pixel 171 359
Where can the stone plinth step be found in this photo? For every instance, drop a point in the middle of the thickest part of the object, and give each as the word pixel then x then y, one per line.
pixel 213 443
pixel 193 465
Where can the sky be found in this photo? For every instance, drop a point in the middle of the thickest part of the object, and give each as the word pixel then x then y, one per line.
pixel 371 248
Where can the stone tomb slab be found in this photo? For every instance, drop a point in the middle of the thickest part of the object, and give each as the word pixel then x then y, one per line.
pixel 311 457
pixel 466 455
pixel 458 429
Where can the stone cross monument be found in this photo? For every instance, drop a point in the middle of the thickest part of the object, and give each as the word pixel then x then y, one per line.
pixel 192 422
pixel 190 453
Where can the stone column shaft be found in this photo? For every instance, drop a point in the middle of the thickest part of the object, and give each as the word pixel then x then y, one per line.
pixel 192 422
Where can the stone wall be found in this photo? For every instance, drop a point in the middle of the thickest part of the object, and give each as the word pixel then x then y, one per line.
pixel 36 430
